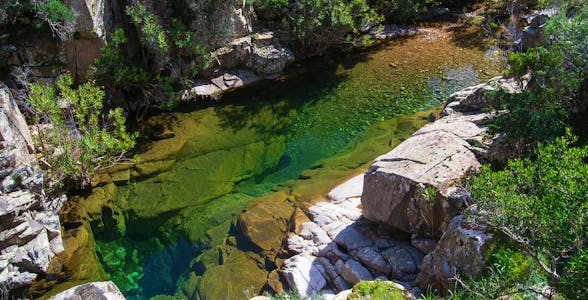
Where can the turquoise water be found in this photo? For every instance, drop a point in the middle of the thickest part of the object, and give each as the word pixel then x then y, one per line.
pixel 224 155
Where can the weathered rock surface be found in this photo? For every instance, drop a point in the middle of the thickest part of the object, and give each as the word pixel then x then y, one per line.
pixel 30 233
pixel 411 187
pixel 336 248
pixel 94 290
pixel 390 31
pixel 474 98
pixel 243 61
pixel 460 250
pixel 533 34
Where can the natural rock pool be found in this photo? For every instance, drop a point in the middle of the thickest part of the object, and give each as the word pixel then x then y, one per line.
pixel 166 224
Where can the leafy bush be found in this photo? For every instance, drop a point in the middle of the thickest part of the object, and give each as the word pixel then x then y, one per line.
pixel 113 66
pixel 319 24
pixel 273 4
pixel 511 273
pixel 82 138
pixel 401 10
pixel 541 204
pixel 151 32
pixel 558 76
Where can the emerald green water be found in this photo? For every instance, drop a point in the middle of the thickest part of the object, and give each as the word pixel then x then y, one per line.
pixel 301 135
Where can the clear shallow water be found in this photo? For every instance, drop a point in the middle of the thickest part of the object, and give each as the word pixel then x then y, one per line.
pixel 300 135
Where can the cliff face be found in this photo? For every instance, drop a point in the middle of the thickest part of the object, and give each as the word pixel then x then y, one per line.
pixel 30 233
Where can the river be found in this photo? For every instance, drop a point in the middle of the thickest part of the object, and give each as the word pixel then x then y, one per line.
pixel 154 224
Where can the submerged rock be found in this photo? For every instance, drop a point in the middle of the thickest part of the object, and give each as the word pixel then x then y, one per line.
pixel 264 224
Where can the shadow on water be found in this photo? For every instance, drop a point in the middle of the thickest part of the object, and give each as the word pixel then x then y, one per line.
pixel 465 36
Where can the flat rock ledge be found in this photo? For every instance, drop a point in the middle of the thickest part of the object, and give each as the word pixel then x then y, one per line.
pixel 337 248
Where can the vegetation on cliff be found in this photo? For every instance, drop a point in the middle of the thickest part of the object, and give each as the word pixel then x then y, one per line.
pixel 540 202
pixel 81 136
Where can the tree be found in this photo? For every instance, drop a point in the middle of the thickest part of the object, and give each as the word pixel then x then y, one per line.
pixel 82 137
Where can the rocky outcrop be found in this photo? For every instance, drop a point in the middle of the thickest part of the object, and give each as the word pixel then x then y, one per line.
pixel 474 98
pixel 415 187
pixel 94 21
pixel 30 233
pixel 336 248
pixel 242 62
pixel 412 189
pixel 94 290
pixel 533 34
pixel 460 251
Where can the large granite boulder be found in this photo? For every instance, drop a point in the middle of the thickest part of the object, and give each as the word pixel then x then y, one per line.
pixel 533 34
pixel 94 290
pixel 460 251
pixel 411 188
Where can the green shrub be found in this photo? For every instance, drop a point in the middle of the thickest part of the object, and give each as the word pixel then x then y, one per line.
pixel 82 138
pixel 114 68
pixel 319 24
pixel 542 204
pixel 273 4
pixel 151 32
pixel 511 273
pixel 55 11
pixel 377 290
pixel 557 72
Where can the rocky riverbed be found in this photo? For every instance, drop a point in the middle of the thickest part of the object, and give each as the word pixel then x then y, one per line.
pixel 401 220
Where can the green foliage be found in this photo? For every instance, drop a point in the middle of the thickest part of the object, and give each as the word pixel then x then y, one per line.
pixel 82 138
pixel 376 290
pixel 430 194
pixel 55 11
pixel 151 32
pixel 318 24
pixel 401 10
pixel 574 283
pixel 511 273
pixel 184 40
pixel 557 71
pixel 541 204
pixel 114 68
pixel 273 4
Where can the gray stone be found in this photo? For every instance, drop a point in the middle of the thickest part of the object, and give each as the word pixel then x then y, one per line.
pixel 401 261
pixel 371 258
pixel 395 184
pixel 352 239
pixel 304 274
pixel 352 271
pixel 460 250
pixel 423 244
pixel 105 290
pixel 474 98
pixel 351 188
